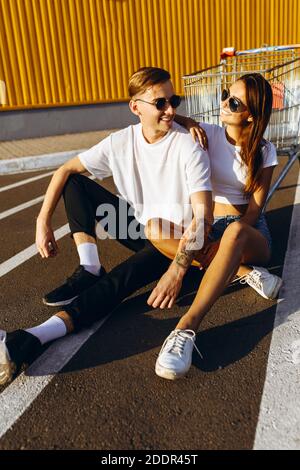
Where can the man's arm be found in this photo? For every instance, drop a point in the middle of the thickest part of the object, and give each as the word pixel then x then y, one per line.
pixel 45 240
pixel 196 234
pixel 168 287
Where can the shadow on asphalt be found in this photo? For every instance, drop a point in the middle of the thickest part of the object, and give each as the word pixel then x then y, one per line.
pixel 220 346
pixel 226 344
pixel 133 329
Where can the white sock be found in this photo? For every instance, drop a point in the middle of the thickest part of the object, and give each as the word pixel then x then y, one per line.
pixel 89 258
pixel 53 328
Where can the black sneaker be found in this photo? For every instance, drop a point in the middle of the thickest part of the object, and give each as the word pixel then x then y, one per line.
pixel 16 348
pixel 74 285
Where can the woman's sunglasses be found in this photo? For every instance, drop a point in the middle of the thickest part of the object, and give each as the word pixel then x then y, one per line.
pixel 235 105
pixel 161 103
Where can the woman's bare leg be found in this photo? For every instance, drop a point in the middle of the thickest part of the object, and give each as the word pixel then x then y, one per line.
pixel 240 244
pixel 167 244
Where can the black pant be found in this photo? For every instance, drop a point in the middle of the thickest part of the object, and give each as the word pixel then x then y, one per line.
pixel 82 197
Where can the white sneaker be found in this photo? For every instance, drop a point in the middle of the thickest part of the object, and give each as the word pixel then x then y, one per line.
pixel 6 366
pixel 265 283
pixel 175 356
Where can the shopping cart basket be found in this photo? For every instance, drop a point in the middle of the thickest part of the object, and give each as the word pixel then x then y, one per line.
pixel 280 65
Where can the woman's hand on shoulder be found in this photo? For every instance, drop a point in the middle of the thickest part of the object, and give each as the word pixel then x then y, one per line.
pixel 197 133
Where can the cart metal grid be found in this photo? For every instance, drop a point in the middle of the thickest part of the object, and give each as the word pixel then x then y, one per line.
pixel 280 65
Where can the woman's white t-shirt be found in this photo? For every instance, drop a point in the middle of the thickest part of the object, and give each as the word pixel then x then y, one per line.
pixel 157 179
pixel 228 173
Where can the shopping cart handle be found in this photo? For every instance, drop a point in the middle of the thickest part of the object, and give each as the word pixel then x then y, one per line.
pixel 231 51
pixel 227 52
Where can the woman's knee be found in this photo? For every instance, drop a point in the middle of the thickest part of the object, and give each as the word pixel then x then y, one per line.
pixel 235 233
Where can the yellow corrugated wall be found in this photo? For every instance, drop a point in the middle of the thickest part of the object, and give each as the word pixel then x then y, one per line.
pixel 70 52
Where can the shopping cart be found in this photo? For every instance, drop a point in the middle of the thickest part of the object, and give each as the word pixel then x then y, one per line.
pixel 280 65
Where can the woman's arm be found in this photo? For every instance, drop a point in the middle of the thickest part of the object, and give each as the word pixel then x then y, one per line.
pixel 195 130
pixel 259 197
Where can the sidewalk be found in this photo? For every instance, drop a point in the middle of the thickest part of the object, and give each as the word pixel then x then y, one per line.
pixel 45 152
pixel 52 144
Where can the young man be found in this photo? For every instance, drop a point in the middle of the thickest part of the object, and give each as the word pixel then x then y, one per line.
pixel 159 173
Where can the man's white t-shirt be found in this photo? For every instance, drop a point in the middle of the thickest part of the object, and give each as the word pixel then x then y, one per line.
pixel 156 179
pixel 228 173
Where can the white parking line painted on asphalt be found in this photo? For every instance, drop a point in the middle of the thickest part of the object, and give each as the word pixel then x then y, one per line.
pixel 19 395
pixel 279 418
pixel 21 207
pixel 29 252
pixel 26 181
pixel 27 204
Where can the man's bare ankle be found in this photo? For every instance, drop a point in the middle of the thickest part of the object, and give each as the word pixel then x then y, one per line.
pixel 81 237
pixel 67 319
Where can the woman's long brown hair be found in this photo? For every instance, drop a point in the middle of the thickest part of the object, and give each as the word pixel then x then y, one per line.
pixel 259 101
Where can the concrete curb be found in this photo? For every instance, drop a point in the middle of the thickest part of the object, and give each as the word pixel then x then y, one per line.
pixel 37 162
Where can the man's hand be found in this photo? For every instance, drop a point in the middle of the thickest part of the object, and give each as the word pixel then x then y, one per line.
pixel 45 240
pixel 168 288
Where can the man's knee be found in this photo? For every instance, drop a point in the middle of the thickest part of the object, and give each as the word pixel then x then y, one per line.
pixel 74 178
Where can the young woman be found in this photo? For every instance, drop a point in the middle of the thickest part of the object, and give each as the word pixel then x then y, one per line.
pixel 242 164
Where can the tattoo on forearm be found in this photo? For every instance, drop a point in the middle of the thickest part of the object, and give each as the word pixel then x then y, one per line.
pixel 184 258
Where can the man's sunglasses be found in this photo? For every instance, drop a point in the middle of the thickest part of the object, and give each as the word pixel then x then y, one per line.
pixel 161 103
pixel 235 105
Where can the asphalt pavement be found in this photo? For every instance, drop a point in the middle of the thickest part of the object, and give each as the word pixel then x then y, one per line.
pixel 107 396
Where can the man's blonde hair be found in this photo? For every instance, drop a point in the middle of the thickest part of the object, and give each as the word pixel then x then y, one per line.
pixel 146 77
